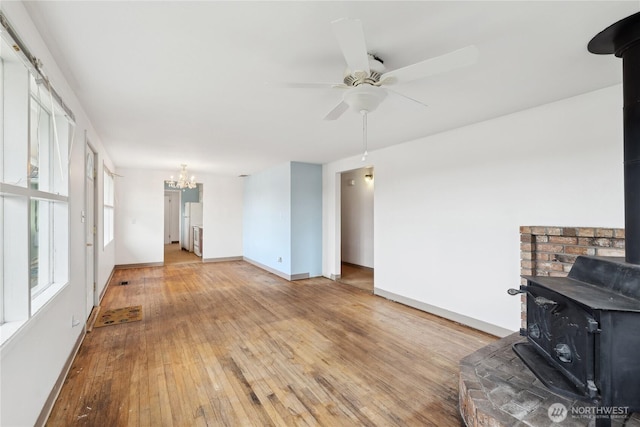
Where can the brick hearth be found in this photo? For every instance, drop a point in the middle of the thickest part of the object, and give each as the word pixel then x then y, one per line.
pixel 497 389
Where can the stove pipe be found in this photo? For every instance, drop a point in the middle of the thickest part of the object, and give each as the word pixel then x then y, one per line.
pixel 623 40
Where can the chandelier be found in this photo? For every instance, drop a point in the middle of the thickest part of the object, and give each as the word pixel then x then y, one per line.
pixel 182 181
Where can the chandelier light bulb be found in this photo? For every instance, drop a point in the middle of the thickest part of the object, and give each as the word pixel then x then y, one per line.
pixel 183 181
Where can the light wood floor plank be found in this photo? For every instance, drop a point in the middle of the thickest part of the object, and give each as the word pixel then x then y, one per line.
pixel 227 344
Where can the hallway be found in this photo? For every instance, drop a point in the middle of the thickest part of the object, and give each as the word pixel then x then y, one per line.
pixel 173 254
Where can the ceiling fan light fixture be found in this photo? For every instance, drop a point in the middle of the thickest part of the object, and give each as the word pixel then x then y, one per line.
pixel 364 98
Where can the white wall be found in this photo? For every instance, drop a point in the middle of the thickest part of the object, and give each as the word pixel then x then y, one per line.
pixel 448 207
pixel 222 221
pixel 357 217
pixel 139 216
pixel 33 359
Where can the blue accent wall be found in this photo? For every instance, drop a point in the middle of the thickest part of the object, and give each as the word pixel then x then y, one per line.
pixel 266 230
pixel 306 219
pixel 282 218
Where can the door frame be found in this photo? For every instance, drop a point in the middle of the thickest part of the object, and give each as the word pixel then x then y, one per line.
pixel 90 237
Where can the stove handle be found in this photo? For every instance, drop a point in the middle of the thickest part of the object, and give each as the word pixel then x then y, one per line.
pixel 543 302
pixel 523 290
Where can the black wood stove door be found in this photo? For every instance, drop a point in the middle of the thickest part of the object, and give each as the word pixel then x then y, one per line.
pixel 565 333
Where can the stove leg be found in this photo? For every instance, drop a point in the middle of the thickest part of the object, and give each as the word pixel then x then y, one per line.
pixel 603 422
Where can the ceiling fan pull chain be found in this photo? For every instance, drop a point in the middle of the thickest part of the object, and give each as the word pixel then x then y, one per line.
pixel 364 134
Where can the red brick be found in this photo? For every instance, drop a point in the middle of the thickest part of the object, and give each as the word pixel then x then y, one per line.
pixel 542 239
pixel 604 232
pixel 579 250
pixel 525 229
pixel 539 230
pixel 603 243
pixel 554 231
pixel 549 266
pixel 558 274
pixel 526 272
pixel 527 247
pixel 542 273
pixel 570 259
pixel 569 232
pixel 526 238
pixel 586 232
pixel 526 255
pixel 543 256
pixel 610 252
pixel 548 247
pixel 563 240
pixel 527 264
pixel 618 233
pixel 546 266
pixel 586 241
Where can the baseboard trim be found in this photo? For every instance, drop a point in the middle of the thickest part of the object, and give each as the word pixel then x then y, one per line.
pixel 51 400
pixel 104 289
pixel 285 276
pixel 141 265
pixel 441 312
pixel 300 276
pixel 223 259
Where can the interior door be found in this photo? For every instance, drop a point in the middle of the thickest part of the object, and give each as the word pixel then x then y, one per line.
pixel 167 217
pixel 171 217
pixel 90 228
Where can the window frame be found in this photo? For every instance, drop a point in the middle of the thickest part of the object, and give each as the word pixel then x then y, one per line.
pixel 108 199
pixel 24 89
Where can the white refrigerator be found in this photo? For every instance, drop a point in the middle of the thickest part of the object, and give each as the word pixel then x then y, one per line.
pixel 191 217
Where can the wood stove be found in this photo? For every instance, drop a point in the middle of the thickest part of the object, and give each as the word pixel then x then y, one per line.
pixel 583 339
pixel 583 330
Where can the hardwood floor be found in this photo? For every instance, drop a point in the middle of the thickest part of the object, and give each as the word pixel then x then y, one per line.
pixel 358 276
pixel 173 254
pixel 226 344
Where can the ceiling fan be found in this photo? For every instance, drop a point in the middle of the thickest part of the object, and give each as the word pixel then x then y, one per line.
pixel 366 80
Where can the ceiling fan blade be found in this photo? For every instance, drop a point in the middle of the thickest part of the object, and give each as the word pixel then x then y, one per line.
pixel 406 97
pixel 440 64
pixel 351 40
pixel 337 111
pixel 293 85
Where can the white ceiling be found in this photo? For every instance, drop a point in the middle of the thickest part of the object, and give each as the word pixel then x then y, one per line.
pixel 176 82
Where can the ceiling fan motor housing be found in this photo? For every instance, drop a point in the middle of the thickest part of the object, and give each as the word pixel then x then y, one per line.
pixel 376 70
pixel 360 77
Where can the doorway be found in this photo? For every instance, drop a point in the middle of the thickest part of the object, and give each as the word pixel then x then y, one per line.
pixel 356 225
pixel 182 212
pixel 89 218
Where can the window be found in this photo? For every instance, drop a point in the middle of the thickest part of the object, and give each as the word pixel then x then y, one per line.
pixel 35 134
pixel 108 207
